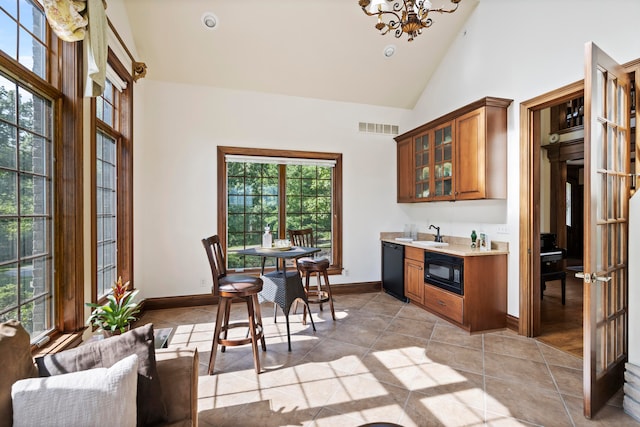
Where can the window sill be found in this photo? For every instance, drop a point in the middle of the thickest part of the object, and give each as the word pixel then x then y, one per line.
pixel 57 343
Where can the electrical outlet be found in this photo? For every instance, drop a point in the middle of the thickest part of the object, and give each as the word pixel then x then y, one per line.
pixel 345 272
pixel 503 229
pixel 203 283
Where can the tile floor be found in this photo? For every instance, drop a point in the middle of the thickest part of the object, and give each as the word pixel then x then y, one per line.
pixel 383 360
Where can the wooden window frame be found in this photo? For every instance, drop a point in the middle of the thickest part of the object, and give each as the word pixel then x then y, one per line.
pixel 64 87
pixel 336 267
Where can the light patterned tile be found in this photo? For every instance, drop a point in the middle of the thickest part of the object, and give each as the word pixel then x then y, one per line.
pixel 382 360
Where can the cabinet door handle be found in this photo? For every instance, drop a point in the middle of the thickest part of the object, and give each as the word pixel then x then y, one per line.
pixel 440 302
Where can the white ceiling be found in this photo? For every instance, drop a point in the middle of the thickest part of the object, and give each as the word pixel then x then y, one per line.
pixel 325 49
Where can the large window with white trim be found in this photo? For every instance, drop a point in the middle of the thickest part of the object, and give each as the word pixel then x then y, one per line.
pixel 282 190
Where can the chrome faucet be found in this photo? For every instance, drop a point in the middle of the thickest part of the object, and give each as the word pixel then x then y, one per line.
pixel 438 236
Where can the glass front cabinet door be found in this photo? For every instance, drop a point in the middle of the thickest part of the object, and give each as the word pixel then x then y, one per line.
pixel 422 159
pixel 443 163
pixel 433 164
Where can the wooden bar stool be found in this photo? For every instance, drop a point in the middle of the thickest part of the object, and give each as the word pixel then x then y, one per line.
pixel 226 288
pixel 308 266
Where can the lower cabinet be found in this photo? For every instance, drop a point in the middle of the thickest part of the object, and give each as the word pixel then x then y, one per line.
pixel 414 274
pixel 484 303
pixel 444 303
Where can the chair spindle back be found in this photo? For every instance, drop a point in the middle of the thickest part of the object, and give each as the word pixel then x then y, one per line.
pixel 302 237
pixel 215 254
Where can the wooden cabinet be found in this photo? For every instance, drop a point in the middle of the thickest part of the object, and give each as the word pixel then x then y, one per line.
pixel 485 292
pixel 414 274
pixel 484 303
pixel 405 174
pixel 459 156
pixel 444 303
pixel 441 187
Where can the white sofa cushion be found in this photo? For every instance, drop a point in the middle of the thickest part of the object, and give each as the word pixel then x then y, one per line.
pixel 96 397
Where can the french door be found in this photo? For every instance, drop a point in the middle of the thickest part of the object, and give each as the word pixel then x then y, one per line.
pixel 606 212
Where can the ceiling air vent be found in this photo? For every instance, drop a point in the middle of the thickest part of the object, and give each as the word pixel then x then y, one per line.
pixel 378 128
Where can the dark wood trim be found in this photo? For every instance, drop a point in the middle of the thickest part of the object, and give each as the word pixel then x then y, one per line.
pixel 18 71
pixel 221 229
pixel 558 199
pixel 93 202
pixel 58 342
pixel 208 299
pixel 222 196
pixel 125 172
pixel 566 150
pixel 65 92
pixel 356 288
pixel 337 216
pixel 69 252
pixel 122 132
pixel 513 323
pixel 529 263
pixel 282 213
pixel 178 302
pixel 484 102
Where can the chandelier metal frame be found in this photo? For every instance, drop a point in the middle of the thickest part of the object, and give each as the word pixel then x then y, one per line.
pixel 406 16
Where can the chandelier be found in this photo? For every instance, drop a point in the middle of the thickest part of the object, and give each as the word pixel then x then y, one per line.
pixel 406 16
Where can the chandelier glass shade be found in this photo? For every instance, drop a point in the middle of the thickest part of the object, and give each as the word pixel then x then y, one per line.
pixel 406 16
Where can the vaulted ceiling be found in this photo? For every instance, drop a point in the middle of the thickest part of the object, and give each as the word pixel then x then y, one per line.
pixel 325 49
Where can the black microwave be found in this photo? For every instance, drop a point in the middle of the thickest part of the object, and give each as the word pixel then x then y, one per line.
pixel 444 271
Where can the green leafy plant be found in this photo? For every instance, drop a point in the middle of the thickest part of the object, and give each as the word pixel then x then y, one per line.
pixel 116 315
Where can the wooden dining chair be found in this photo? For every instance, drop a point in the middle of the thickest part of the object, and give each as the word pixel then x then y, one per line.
pixel 226 288
pixel 308 266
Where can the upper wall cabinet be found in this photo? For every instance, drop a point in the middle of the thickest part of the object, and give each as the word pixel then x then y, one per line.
pixel 459 156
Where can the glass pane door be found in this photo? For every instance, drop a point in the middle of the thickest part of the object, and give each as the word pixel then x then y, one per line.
pixel 422 148
pixel 443 165
pixel 606 145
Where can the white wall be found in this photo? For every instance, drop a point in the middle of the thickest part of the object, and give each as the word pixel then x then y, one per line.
pixel 517 49
pixel 175 175
pixel 634 279
pixel 514 49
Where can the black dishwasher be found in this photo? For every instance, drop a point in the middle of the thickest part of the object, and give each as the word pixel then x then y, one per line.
pixel 393 270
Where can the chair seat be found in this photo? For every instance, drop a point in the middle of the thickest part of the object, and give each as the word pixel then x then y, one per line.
pixel 239 285
pixel 310 264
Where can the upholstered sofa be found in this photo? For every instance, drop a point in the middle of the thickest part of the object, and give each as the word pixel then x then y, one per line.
pixel 162 388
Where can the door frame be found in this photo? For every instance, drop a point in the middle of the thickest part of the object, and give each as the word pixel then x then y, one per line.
pixel 529 322
pixel 529 223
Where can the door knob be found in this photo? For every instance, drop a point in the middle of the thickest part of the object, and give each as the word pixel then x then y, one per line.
pixel 589 278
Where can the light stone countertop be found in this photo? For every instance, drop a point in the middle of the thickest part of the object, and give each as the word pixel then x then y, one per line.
pixel 458 246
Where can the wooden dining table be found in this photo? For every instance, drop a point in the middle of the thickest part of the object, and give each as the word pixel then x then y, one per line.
pixel 280 286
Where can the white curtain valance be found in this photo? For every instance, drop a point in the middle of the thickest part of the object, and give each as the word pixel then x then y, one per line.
pixel 115 79
pixel 279 160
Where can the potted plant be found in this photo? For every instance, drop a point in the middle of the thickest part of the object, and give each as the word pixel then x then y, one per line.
pixel 116 315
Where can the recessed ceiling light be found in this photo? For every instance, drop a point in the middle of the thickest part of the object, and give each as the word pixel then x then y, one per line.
pixel 209 20
pixel 389 51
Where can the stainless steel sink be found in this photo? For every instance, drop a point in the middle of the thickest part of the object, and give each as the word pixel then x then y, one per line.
pixel 429 243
